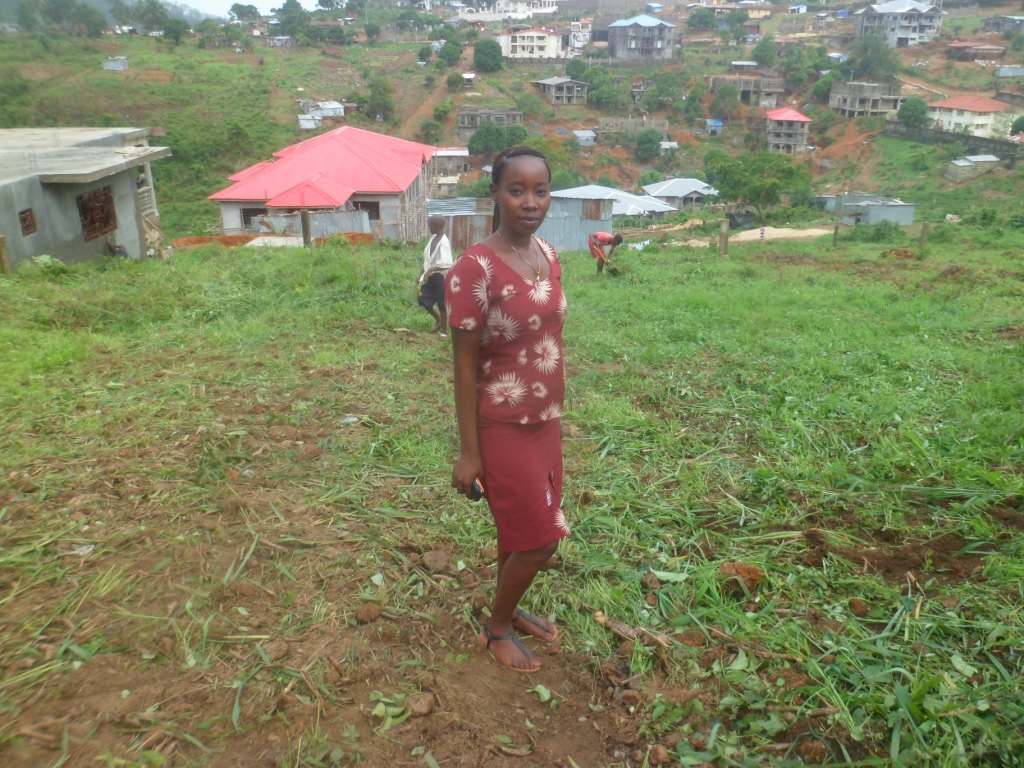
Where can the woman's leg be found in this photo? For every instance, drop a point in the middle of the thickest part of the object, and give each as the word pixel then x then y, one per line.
pixel 516 571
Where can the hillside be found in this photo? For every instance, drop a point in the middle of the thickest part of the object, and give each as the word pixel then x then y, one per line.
pixel 221 110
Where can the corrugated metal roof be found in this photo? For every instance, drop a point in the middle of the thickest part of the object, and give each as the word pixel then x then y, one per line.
pixel 363 161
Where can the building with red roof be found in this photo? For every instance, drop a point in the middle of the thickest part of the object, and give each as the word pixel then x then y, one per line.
pixel 347 169
pixel 977 115
pixel 787 131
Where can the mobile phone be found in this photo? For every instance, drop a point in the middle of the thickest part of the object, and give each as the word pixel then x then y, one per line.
pixel 476 490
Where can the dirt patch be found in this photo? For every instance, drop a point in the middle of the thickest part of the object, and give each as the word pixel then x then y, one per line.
pixel 156 76
pixel 942 557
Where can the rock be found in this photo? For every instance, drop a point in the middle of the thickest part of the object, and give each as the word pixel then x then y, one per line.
pixel 276 649
pixel 420 705
pixel 367 612
pixel 437 560
pixel 858 607
pixel 693 638
pixel 650 581
pixel 950 603
pixel 741 578
pixel 628 697
pixel 659 755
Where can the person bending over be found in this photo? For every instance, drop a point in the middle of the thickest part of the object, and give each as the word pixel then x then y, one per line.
pixel 598 241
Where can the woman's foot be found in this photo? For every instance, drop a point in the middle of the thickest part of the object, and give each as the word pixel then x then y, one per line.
pixel 540 628
pixel 508 651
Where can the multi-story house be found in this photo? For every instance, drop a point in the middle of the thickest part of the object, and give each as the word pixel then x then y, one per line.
pixel 857 99
pixel 641 37
pixel 976 115
pixel 787 131
pixel 531 43
pixel 901 22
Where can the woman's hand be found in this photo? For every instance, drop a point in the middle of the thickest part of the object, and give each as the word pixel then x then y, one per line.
pixel 466 470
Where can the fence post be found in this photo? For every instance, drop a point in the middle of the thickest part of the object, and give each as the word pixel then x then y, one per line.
pixel 307 229
pixel 723 239
pixel 923 240
pixel 5 263
pixel 835 236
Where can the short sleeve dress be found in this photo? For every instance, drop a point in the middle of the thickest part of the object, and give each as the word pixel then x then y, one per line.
pixel 520 389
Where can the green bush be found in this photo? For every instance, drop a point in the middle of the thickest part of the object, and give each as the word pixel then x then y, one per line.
pixel 882 232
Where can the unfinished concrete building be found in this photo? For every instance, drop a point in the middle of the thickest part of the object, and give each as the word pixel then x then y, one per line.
pixel 755 90
pixel 858 99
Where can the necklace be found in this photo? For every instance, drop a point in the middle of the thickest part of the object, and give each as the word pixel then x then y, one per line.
pixel 531 267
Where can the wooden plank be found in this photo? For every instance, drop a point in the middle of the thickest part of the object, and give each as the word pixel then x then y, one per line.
pixel 5 262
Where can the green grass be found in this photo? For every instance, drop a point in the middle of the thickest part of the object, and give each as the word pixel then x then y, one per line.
pixel 793 400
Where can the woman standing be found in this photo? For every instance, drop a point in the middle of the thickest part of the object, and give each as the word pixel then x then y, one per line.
pixel 506 310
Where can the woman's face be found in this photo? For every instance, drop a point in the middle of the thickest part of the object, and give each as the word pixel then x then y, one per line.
pixel 523 195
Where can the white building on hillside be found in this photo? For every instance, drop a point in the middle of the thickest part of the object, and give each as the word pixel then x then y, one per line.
pixel 901 22
pixel 976 115
pixel 531 43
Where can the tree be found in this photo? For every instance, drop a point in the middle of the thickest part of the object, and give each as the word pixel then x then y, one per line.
pixel 327 5
pixel 515 134
pixel 871 58
pixel 443 110
pixel 430 132
pixel 151 15
pixel 648 144
pixel 795 65
pixel 487 56
pixel 726 102
pixel 693 106
pixel 244 12
pixel 575 69
pixel 425 53
pixel 913 113
pixel 764 51
pixel 88 20
pixel 28 17
pixel 120 12
pixel 58 12
pixel 820 90
pixel 175 29
pixel 487 139
pixel 757 180
pixel 381 100
pixel 1018 126
pixel 450 53
pixel 372 30
pixel 454 81
pixel 293 18
pixel 702 19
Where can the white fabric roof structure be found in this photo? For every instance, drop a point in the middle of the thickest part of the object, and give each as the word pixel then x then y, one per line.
pixel 623 203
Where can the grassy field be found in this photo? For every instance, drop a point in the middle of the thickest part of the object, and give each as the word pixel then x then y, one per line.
pixel 793 476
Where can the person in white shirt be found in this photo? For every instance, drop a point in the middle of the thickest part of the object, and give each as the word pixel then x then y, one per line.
pixel 437 260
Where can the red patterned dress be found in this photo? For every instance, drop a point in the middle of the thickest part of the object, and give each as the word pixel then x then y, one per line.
pixel 520 389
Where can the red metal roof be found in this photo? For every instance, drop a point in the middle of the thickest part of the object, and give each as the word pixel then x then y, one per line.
pixel 785 114
pixel 326 170
pixel 971 104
